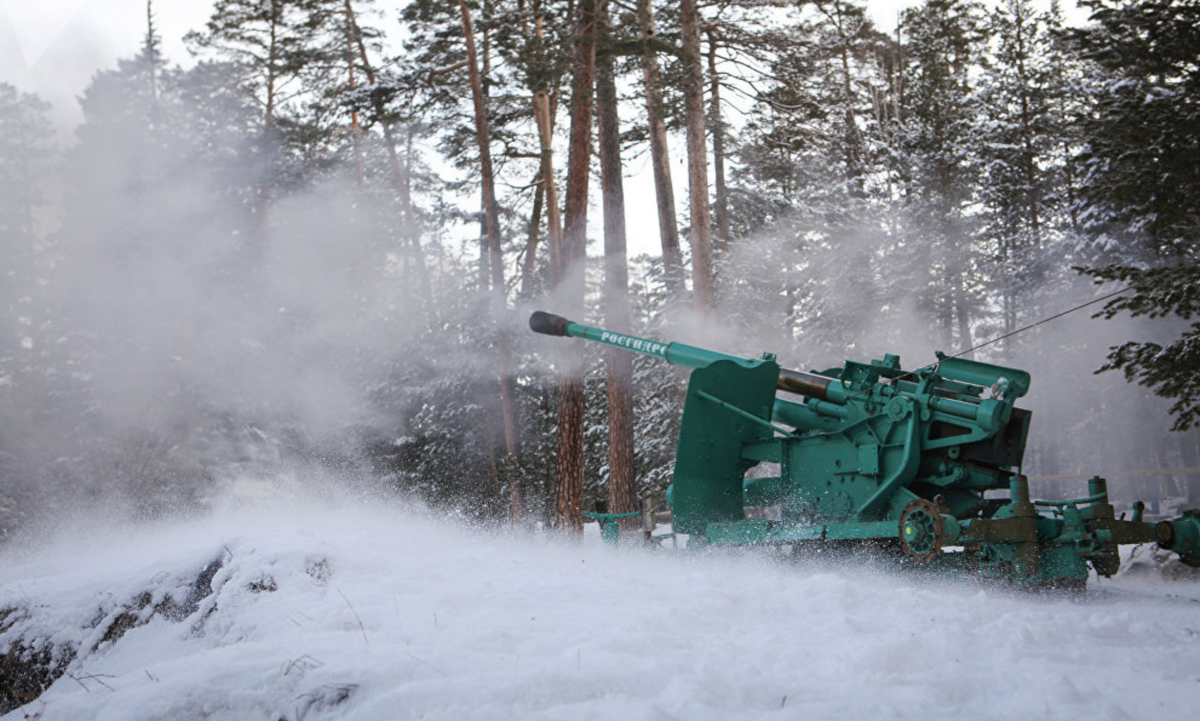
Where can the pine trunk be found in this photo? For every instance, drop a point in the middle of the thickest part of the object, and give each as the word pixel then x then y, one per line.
pixel 854 141
pixel 664 191
pixel 569 464
pixel 693 100
pixel 721 204
pixel 1030 156
pixel 355 130
pixel 543 116
pixel 268 162
pixel 622 490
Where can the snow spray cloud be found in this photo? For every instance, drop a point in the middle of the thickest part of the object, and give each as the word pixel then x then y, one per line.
pixel 195 323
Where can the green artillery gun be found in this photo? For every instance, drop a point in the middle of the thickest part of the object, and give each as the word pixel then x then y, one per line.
pixel 908 462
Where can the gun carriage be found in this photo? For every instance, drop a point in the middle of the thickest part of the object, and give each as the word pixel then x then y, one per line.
pixel 916 461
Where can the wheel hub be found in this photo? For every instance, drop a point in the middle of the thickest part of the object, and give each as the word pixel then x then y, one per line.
pixel 921 531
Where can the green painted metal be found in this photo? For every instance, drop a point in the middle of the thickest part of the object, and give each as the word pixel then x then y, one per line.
pixel 610 530
pixel 908 461
pixel 709 467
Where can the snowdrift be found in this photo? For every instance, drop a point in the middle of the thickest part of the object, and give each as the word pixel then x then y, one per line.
pixel 305 614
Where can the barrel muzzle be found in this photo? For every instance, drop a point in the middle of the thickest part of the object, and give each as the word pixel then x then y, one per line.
pixel 548 323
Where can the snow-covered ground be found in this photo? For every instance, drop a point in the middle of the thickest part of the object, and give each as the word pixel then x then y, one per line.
pixel 388 614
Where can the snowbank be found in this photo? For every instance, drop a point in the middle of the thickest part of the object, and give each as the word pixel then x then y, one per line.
pixel 374 615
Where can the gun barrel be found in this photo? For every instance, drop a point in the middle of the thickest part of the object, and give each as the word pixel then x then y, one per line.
pixel 807 384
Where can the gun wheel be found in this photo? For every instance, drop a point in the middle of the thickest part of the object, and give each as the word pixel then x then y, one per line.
pixel 921 531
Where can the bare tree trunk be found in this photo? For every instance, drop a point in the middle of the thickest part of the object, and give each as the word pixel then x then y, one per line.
pixel 355 130
pixel 267 161
pixel 1191 459
pixel 554 222
pixel 962 316
pixel 721 209
pixel 622 490
pixel 496 268
pixel 571 282
pixel 958 312
pixel 543 115
pixel 1030 159
pixel 152 49
pixel 854 141
pixel 1068 156
pixel 668 225
pixel 272 58
pixel 529 263
pixel 693 101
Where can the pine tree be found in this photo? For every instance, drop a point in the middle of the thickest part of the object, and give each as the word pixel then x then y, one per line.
pixel 276 43
pixel 814 172
pixel 1018 126
pixel 1142 158
pixel 26 153
pixel 280 49
pixel 157 179
pixel 1141 192
pixel 943 46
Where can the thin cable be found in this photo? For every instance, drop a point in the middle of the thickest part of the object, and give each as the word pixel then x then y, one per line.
pixel 1010 334
pixel 1044 320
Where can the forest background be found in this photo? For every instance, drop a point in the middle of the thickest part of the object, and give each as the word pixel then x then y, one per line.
pixel 309 253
